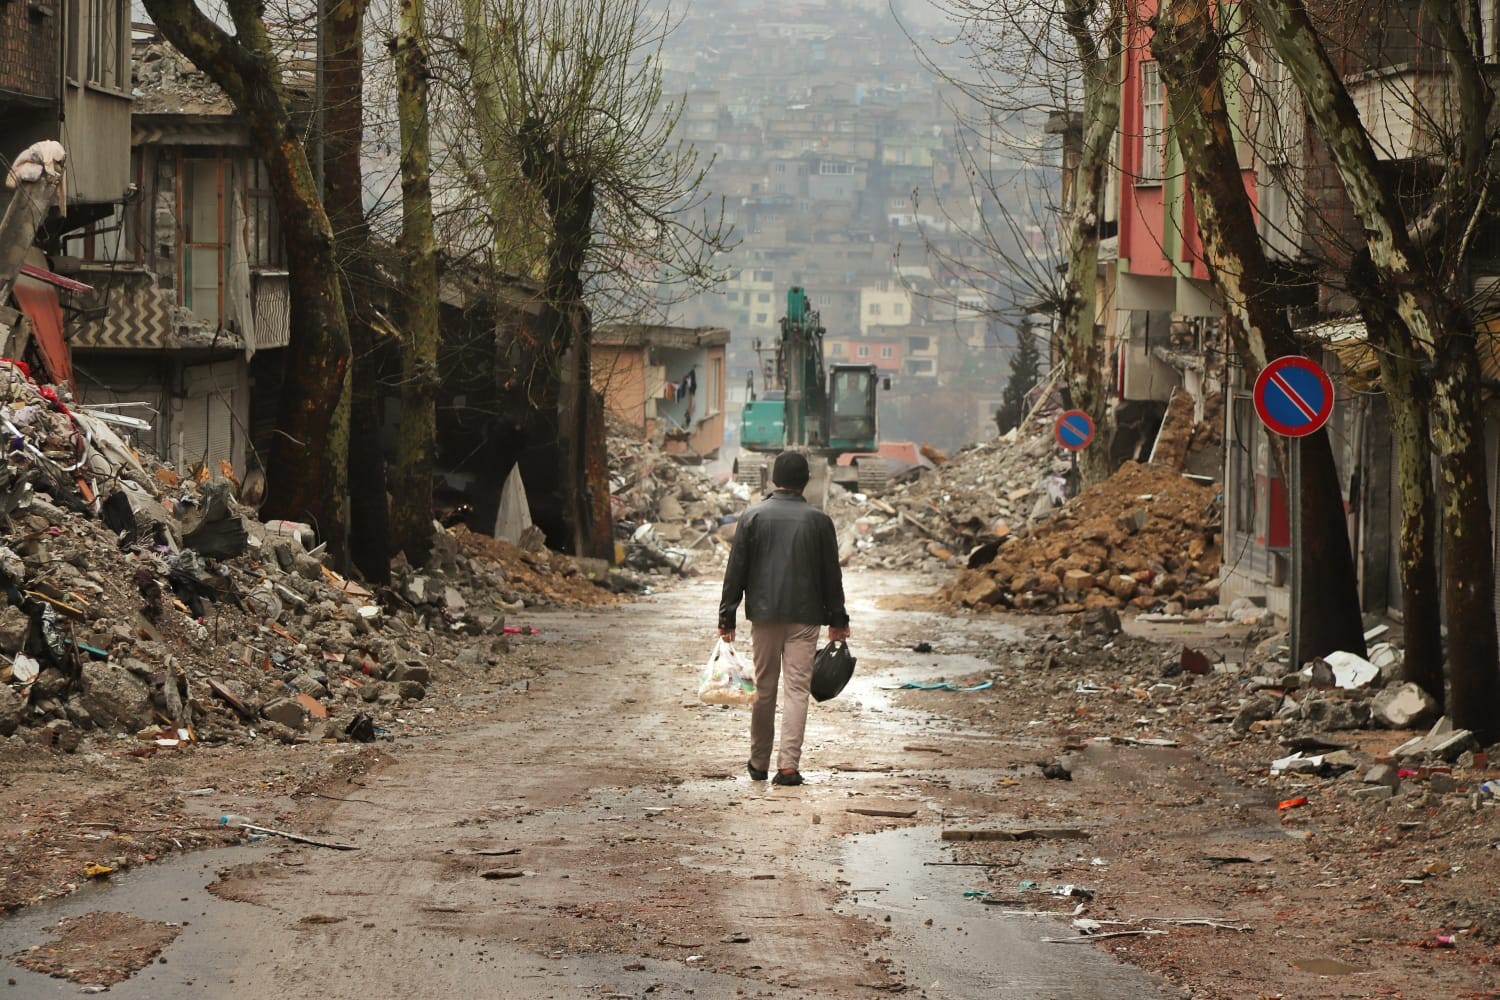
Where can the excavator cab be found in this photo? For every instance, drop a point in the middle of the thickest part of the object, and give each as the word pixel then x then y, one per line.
pixel 851 407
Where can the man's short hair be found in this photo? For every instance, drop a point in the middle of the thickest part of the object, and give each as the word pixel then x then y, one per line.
pixel 790 471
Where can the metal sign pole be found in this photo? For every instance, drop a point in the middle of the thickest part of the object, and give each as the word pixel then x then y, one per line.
pixel 1294 503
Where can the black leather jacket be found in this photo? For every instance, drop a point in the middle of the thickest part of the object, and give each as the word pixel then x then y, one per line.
pixel 785 562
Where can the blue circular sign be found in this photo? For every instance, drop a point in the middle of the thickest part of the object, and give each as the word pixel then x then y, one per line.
pixel 1293 396
pixel 1074 430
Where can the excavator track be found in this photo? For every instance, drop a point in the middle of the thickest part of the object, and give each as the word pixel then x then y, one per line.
pixel 751 468
pixel 873 476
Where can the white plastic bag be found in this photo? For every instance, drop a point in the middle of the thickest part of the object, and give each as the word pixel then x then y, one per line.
pixel 728 678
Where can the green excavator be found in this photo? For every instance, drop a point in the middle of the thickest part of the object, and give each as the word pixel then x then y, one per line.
pixel 824 411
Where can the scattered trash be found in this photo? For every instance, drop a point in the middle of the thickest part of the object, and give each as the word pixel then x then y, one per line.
pixel 1292 803
pixel 95 870
pixel 943 686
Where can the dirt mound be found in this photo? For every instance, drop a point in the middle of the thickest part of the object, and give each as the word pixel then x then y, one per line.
pixel 538 578
pixel 1143 538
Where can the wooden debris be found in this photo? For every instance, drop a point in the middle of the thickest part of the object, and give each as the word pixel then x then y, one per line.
pixel 888 813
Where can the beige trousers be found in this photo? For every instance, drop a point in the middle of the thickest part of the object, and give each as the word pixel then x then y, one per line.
pixel 781 651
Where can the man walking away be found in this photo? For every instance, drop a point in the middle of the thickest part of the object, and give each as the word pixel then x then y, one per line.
pixel 785 564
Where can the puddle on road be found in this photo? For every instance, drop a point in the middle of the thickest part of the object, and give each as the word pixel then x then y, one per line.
pixel 1327 967
pixel 173 891
pixel 970 949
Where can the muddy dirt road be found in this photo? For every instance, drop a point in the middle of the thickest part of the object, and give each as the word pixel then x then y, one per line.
pixel 593 834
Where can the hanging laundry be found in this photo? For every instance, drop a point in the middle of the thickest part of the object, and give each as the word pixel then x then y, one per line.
pixel 688 385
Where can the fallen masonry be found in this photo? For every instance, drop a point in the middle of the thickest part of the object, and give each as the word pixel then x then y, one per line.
pixel 154 605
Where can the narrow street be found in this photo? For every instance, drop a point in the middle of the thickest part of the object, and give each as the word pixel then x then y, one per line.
pixel 596 835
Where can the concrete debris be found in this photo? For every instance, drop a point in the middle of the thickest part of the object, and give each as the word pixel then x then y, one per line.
pixel 671 518
pixel 1096 552
pixel 1146 539
pixel 155 604
pixel 1403 706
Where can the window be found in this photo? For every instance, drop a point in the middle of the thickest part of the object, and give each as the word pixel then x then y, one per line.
pixel 714 387
pixel 760 317
pixel 919 343
pixel 1153 110
pixel 780 168
pixel 864 351
pixel 763 297
pixel 263 227
pixel 201 216
pixel 838 350
pixel 899 308
pixel 874 309
pixel 762 275
pixel 887 353
pixel 734 296
pixel 105 29
pixel 833 167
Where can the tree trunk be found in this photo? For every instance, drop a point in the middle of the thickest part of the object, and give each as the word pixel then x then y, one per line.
pixel 307 478
pixel 416 443
pixel 1187 50
pixel 1083 349
pixel 1438 332
pixel 343 194
pixel 1406 399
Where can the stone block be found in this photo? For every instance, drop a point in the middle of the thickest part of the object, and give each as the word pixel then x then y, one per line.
pixel 286 712
pixel 1383 774
pixel 14 626
pixel 411 671
pixel 115 698
pixel 1403 706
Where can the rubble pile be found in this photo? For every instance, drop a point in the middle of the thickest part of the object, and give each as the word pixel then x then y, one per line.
pixel 670 518
pixel 150 605
pixel 975 498
pixel 1145 538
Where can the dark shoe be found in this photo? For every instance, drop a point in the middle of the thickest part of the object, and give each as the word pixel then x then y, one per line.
pixel 787 778
pixel 756 774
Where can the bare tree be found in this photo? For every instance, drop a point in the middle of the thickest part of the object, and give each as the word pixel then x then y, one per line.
pixel 569 94
pixel 416 442
pixel 1061 62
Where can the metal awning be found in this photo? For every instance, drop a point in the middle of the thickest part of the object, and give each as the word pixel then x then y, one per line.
pixel 56 280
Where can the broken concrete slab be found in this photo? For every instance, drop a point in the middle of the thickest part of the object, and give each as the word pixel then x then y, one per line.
pixel 115 698
pixel 1403 706
pixel 1383 774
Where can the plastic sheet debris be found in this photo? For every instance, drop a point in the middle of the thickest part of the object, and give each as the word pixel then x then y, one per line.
pixel 1349 670
pixel 942 686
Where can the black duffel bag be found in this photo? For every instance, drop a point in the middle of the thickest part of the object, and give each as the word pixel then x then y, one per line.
pixel 832 668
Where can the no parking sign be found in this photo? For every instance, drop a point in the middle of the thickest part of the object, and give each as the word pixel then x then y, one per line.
pixel 1074 430
pixel 1293 396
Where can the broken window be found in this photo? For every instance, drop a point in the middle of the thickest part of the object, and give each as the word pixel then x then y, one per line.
pixel 263 224
pixel 116 237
